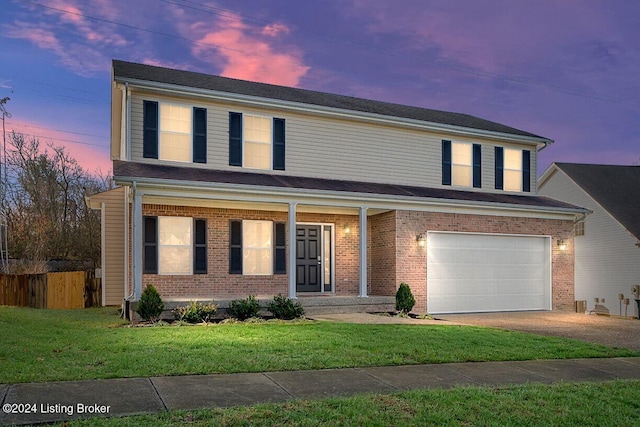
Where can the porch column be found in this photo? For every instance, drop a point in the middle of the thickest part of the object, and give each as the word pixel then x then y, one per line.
pixel 363 252
pixel 291 267
pixel 137 227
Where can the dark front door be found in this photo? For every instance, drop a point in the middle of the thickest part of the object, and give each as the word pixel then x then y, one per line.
pixel 308 258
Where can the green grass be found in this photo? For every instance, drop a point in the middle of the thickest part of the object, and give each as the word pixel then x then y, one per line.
pixel 48 345
pixel 587 404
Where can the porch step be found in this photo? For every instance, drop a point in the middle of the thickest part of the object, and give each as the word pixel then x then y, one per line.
pixel 314 305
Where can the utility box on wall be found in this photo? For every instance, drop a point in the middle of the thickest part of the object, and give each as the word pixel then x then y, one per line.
pixel 581 306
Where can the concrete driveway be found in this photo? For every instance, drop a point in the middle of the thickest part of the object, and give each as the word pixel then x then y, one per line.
pixel 609 331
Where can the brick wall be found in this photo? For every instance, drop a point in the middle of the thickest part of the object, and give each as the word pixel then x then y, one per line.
pixel 382 254
pixel 411 265
pixel 218 283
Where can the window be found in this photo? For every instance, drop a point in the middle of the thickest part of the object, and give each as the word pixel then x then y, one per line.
pixel 257 248
pixel 256 244
pixel 170 246
pixel 512 169
pixel 461 164
pixel 578 228
pixel 174 245
pixel 256 142
pixel 174 132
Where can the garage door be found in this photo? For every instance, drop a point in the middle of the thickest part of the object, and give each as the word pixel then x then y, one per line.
pixel 469 272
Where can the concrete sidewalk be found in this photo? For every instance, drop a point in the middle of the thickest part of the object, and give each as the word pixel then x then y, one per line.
pixel 33 403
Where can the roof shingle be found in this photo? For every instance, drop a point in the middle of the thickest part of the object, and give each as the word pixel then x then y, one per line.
pixel 615 188
pixel 132 170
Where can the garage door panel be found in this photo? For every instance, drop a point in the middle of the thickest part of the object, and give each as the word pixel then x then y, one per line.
pixel 469 272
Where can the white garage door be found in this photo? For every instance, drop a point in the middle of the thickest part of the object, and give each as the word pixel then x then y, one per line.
pixel 469 272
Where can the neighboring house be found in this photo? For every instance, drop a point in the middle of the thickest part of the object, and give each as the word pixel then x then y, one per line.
pixel 230 188
pixel 607 242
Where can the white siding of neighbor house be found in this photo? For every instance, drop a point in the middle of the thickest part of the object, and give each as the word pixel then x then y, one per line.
pixel 325 147
pixel 607 262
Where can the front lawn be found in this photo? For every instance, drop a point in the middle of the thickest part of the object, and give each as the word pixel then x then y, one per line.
pixel 48 345
pixel 586 404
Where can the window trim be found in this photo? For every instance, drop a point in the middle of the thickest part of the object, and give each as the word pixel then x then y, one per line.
pixel 155 244
pixel 236 247
pixel 161 131
pixel 244 140
pixel 505 169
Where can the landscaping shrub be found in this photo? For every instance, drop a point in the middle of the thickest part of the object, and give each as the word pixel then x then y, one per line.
pixel 285 309
pixel 243 309
pixel 150 305
pixel 195 312
pixel 404 299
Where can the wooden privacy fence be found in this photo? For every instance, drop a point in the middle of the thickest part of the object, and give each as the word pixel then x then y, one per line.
pixel 75 289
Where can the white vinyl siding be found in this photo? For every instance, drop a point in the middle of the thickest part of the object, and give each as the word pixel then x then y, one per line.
pixel 329 147
pixel 606 257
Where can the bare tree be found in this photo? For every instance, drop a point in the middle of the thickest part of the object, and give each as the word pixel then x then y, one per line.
pixel 47 215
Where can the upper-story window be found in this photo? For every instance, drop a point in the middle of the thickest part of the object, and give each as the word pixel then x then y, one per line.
pixel 256 142
pixel 461 164
pixel 512 169
pixel 174 132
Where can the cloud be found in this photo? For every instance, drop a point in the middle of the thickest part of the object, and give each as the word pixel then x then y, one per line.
pixel 274 30
pixel 243 52
pixel 62 29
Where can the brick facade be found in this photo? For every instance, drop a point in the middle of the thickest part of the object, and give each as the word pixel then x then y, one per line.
pixel 393 253
pixel 410 263
pixel 218 283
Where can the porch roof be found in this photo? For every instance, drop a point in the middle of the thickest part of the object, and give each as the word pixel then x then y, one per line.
pixel 133 171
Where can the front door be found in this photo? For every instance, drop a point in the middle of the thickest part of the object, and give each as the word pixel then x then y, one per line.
pixel 308 258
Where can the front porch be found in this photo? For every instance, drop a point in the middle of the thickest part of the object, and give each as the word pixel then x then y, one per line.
pixel 314 253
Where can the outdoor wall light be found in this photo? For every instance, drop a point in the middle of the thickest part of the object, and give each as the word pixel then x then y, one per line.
pixel 422 241
pixel 562 245
pixel 347 229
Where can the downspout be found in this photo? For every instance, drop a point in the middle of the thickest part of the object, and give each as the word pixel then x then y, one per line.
pixel 131 296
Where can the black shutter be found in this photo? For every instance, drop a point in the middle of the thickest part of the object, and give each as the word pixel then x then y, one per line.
pixel 477 166
pixel 235 139
pixel 499 168
pixel 199 135
pixel 150 239
pixel 235 247
pixel 526 170
pixel 278 144
pixel 150 130
pixel 200 247
pixel 280 258
pixel 446 162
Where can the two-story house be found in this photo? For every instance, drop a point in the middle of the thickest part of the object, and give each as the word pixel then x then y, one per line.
pixel 229 188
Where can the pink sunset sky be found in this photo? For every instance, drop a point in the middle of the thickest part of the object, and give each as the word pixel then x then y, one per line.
pixel 565 70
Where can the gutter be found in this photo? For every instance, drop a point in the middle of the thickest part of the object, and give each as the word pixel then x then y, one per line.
pixel 332 111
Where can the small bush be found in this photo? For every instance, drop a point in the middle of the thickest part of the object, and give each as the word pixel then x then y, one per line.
pixel 150 305
pixel 285 309
pixel 404 299
pixel 243 309
pixel 195 312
